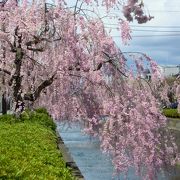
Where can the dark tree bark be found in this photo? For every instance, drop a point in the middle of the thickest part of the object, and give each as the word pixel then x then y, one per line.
pixel 17 81
pixel 34 96
pixel 16 78
pixel 4 104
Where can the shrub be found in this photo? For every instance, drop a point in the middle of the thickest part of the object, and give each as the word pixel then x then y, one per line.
pixel 28 148
pixel 39 117
pixel 41 110
pixel 171 113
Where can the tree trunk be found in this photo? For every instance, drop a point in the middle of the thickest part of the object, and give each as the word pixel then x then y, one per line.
pixel 4 104
pixel 17 79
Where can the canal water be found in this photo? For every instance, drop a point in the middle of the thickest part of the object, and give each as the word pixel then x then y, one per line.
pixel 93 164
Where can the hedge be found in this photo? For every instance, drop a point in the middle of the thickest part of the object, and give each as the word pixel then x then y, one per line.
pixel 173 113
pixel 28 148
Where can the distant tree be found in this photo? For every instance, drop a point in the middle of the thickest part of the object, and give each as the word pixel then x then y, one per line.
pixel 169 87
pixel 178 96
pixel 60 58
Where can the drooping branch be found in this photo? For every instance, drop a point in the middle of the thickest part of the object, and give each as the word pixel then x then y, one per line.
pixel 37 92
pixel 35 61
pixel 92 83
pixel 111 61
pixel 35 49
pixel 4 37
pixel 38 40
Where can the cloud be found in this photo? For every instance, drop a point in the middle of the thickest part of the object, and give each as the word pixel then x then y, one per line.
pixel 164 49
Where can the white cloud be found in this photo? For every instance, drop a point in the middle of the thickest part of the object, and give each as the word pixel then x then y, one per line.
pixel 164 49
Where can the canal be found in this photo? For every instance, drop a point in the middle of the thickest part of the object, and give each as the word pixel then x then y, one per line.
pixel 93 164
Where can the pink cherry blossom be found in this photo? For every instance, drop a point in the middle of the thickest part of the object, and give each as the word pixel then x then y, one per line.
pixel 56 57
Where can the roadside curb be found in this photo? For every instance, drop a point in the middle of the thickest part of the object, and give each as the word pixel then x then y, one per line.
pixel 70 163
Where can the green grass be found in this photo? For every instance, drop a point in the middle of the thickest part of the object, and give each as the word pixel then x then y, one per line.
pixel 28 149
pixel 172 113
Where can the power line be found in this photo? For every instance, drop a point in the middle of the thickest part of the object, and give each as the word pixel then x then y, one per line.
pixel 155 26
pixel 146 26
pixel 150 10
pixel 164 11
pixel 155 35
pixel 146 30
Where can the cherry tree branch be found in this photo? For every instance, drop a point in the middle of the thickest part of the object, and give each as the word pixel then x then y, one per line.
pixel 38 40
pixel 75 8
pixel 5 71
pixel 110 61
pixel 37 92
pixel 35 61
pixel 10 44
pixel 35 49
pixel 93 83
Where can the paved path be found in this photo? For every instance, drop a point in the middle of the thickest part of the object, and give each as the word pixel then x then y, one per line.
pixel 86 153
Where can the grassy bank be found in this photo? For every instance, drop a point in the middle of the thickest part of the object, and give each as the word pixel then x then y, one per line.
pixel 28 148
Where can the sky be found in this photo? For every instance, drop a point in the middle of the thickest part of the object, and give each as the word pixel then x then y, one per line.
pixel 165 50
pixel 163 47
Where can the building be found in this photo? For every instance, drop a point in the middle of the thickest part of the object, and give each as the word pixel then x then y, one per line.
pixel 170 70
pixel 166 71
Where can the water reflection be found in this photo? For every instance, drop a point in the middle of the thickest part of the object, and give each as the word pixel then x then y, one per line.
pixel 93 164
